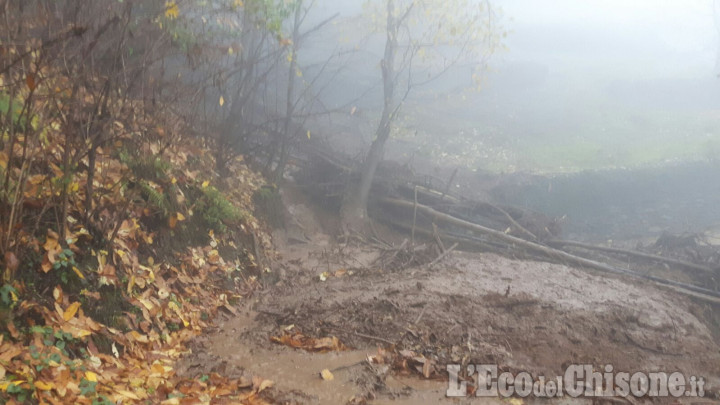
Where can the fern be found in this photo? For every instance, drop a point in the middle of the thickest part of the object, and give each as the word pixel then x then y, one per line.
pixel 155 198
pixel 216 209
pixel 148 168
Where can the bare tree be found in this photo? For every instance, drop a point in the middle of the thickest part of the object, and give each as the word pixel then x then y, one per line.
pixel 424 40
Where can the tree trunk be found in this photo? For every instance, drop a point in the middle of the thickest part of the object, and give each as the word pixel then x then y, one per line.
pixel 286 136
pixel 354 209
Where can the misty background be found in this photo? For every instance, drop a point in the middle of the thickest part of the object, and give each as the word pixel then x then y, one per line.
pixel 611 106
pixel 579 85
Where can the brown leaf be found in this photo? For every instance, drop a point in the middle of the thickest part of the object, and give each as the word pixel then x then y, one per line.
pixel 427 369
pixel 52 235
pixel 46 265
pixel 260 384
pixel 300 341
pixel 10 353
pixel 11 262
pixel 30 80
pixel 11 328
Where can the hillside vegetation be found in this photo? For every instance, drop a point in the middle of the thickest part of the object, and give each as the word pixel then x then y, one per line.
pixel 119 242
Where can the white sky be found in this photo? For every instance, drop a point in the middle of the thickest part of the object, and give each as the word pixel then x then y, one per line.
pixel 664 37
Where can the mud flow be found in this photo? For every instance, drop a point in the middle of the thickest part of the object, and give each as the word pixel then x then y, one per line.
pixel 470 308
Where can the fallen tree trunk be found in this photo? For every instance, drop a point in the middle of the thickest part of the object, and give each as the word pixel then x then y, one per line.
pixel 548 251
pixel 633 253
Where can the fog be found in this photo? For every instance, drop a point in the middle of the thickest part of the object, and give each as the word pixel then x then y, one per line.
pixel 626 83
pixel 577 87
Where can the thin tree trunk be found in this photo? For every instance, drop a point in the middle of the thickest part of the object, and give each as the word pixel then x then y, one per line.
pixel 92 158
pixel 67 175
pixel 354 210
pixel 290 96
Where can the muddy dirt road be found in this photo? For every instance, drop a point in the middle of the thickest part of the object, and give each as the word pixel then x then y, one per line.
pixel 473 307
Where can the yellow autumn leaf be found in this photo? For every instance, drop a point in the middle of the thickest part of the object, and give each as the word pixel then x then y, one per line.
pixel 265 384
pixel 131 284
pixel 138 337
pixel 172 11
pixel 43 386
pixel 222 101
pixel 327 375
pixel 205 184
pixel 128 394
pixel 71 311
pixel 308 134
pixel 81 333
pixel 180 217
pixel 78 273
pixel 157 368
pixel 90 376
pixel 147 304
pixel 5 384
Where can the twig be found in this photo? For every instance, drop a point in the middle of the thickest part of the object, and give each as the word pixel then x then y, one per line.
pixel 421 314
pixel 412 233
pixel 341 368
pixel 449 184
pixel 398 250
pixel 379 339
pixel 442 256
pixel 439 241
pixel 377 236
pixel 512 221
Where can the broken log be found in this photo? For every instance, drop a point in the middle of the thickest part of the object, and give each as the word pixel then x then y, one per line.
pixel 634 253
pixel 545 250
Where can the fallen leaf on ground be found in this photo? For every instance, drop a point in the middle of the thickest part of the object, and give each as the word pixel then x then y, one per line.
pixel 299 341
pixel 327 375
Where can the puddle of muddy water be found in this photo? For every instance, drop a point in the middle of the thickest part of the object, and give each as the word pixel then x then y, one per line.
pixel 290 370
pixel 296 373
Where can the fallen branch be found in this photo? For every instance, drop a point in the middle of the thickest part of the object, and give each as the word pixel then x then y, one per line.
pixel 398 250
pixel 634 253
pixel 548 251
pixel 511 220
pixel 412 234
pixel 449 183
pixel 421 314
pixel 439 241
pixel 442 255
